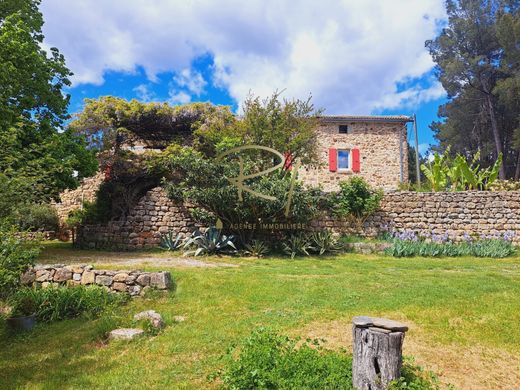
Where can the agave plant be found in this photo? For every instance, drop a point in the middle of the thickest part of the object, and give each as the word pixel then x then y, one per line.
pixel 211 242
pixel 171 241
pixel 257 248
pixel 324 241
pixel 297 244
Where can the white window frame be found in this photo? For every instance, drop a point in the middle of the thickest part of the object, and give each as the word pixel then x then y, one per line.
pixel 349 169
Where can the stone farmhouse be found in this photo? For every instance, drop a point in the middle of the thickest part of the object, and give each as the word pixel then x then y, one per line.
pixel 374 147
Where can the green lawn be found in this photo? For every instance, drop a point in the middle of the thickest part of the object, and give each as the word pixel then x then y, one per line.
pixel 464 316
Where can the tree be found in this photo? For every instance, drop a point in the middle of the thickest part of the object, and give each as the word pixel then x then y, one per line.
pixel 36 158
pixel 470 60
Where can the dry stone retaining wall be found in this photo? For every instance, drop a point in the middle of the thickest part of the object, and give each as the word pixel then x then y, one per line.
pixel 472 212
pixel 132 282
pixel 481 213
pixel 154 215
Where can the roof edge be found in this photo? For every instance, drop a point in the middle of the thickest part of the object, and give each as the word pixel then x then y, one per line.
pixel 366 118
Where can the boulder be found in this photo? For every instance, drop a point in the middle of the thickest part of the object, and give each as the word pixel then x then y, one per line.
pixel 134 290
pixel 143 280
pixel 161 280
pixel 62 275
pixel 28 277
pixel 125 334
pixel 152 316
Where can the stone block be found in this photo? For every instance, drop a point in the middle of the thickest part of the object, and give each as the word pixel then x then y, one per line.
pixel 104 280
pixel 88 277
pixel 119 286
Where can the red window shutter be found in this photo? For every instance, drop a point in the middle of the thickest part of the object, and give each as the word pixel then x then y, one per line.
pixel 333 160
pixel 355 161
pixel 287 165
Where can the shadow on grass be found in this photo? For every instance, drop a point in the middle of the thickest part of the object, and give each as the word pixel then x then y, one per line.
pixel 57 355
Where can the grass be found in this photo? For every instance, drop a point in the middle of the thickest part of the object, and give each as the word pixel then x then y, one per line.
pixel 463 314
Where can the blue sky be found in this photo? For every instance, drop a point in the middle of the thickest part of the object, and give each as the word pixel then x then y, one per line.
pixel 353 57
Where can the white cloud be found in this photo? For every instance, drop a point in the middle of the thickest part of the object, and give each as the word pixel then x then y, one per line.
pixel 191 80
pixel 179 97
pixel 144 92
pixel 349 54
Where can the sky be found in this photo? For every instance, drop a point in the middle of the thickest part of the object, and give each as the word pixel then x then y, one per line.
pixel 354 57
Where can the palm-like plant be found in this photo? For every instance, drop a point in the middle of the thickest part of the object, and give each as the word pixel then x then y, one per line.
pixel 212 241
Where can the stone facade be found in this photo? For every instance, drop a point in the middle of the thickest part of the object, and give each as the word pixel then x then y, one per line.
pixel 153 215
pixel 131 282
pixel 382 145
pixel 481 213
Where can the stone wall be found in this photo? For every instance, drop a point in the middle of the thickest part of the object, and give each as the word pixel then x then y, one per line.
pixel 154 214
pixel 132 282
pixel 455 213
pixel 379 150
pixel 73 199
pixel 472 212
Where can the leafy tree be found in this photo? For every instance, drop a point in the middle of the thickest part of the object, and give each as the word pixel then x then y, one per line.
pixel 36 159
pixel 472 60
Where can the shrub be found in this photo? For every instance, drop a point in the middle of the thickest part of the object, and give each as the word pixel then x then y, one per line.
pixel 58 303
pixel 36 217
pixel 16 256
pixel 356 200
pixel 267 360
pixel 270 361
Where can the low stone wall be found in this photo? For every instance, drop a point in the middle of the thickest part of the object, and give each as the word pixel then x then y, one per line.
pixel 481 213
pixel 132 282
pixel 472 212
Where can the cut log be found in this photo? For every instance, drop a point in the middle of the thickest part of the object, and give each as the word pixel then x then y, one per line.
pixel 377 352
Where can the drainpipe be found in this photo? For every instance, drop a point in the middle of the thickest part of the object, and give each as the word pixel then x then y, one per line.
pixel 401 163
pixel 418 171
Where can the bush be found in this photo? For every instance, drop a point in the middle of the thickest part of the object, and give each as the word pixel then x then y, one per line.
pixel 269 361
pixel 16 256
pixel 356 200
pixel 57 303
pixel 34 217
pixel 266 360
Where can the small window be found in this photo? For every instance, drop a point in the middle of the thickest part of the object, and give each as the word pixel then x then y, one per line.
pixel 343 129
pixel 343 159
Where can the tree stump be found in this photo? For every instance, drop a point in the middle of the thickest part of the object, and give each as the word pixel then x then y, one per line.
pixel 377 355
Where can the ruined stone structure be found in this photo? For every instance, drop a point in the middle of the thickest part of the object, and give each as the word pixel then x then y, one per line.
pixel 131 282
pixel 73 199
pixel 373 147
